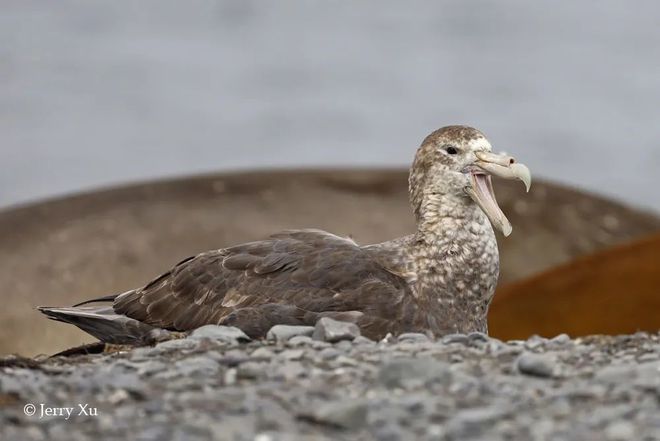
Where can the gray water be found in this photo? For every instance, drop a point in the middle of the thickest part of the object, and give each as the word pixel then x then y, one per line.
pixel 98 93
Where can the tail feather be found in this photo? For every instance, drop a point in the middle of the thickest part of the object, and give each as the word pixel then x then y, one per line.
pixel 109 298
pixel 105 324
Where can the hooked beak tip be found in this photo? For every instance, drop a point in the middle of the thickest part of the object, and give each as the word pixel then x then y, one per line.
pixel 504 167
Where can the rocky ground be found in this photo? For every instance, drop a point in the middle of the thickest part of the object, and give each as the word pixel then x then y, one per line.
pixel 330 383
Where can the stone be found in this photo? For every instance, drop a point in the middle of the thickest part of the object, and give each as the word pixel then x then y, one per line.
pixel 405 389
pixel 414 337
pixel 329 353
pixel 478 337
pixel 348 414
pixel 616 373
pixel 648 376
pixel 227 334
pixel 362 340
pixel 536 365
pixel 408 373
pixel 250 370
pixel 535 341
pixel 332 331
pixel 201 365
pixel 262 353
pixel 300 340
pixel 455 338
pixel 181 344
pixel 470 423
pixel 650 356
pixel 151 367
pixel 560 339
pixel 292 354
pixel 286 332
pixel 343 360
pixel 620 431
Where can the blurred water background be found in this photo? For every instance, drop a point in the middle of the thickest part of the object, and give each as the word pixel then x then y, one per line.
pixel 99 93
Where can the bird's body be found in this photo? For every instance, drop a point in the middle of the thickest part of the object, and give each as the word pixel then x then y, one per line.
pixel 438 280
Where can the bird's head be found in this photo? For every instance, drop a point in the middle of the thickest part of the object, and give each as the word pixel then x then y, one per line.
pixel 457 161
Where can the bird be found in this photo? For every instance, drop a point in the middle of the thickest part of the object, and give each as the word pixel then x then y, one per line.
pixel 438 280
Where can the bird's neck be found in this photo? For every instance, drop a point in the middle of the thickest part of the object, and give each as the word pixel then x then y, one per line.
pixel 448 218
pixel 457 263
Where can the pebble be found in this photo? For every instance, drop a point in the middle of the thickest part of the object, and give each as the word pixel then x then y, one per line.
pixel 616 373
pixel 478 337
pixel 263 352
pixel 228 334
pixel 250 370
pixel 300 340
pixel 469 387
pixel 200 365
pixel 472 422
pixel 650 356
pixel 455 338
pixel 415 337
pixel 333 331
pixel 292 354
pixel 412 372
pixel 181 344
pixel 286 332
pixel 535 341
pixel 536 365
pixel 329 353
pixel 364 341
pixel 350 414
pixel 561 339
pixel 620 431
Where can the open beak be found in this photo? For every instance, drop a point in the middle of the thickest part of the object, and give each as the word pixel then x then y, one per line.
pixel 481 188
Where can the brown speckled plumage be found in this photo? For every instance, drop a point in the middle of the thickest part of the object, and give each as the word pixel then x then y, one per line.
pixel 438 280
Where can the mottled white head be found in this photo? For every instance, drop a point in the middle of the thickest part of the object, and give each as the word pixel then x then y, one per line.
pixel 456 162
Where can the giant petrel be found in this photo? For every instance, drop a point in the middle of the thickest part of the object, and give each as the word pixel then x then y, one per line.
pixel 438 280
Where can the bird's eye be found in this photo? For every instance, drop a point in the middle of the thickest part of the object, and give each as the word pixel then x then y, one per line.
pixel 451 150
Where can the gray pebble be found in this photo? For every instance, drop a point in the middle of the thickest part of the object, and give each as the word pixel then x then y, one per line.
pixel 151 367
pixel 478 337
pixel 299 340
pixel 286 332
pixel 317 344
pixel 350 414
pixel 620 431
pixel 250 370
pixel 412 372
pixel 329 353
pixel 408 388
pixel 262 352
pixel 174 345
pixel 535 341
pixel 333 331
pixel 362 340
pixel 292 354
pixel 648 376
pixel 455 338
pixel 561 339
pixel 228 334
pixel 343 360
pixel 650 356
pixel 201 365
pixel 536 365
pixel 344 345
pixel 616 373
pixel 470 423
pixel 415 337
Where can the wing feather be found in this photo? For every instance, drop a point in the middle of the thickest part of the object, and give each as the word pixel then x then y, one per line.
pixel 297 272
